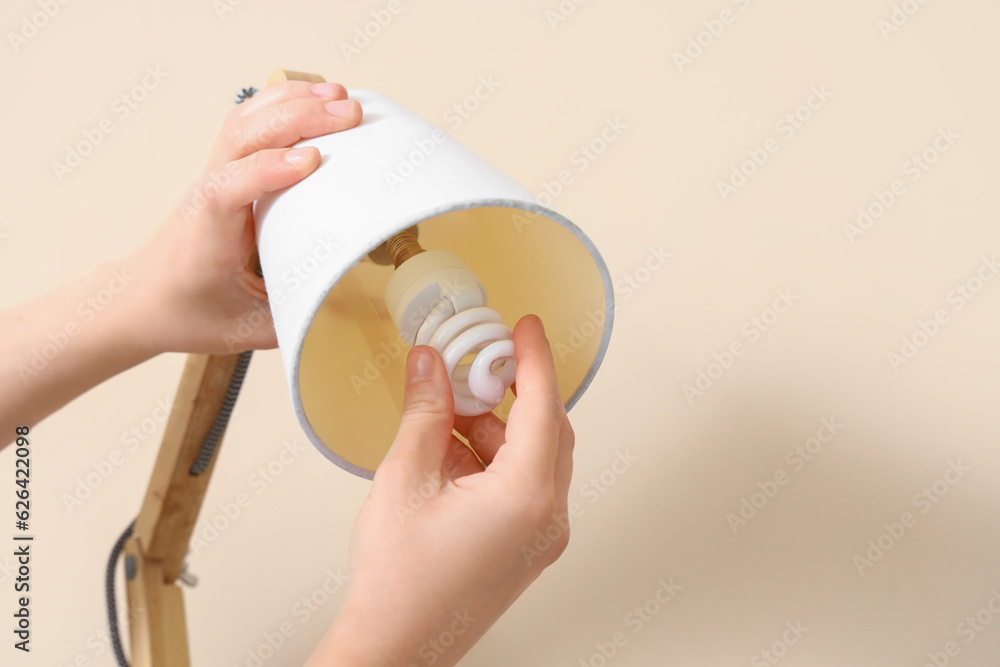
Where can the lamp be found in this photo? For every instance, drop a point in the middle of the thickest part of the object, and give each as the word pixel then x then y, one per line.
pixel 325 258
pixel 401 236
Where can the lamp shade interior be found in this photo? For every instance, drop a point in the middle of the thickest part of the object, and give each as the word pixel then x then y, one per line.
pixel 352 365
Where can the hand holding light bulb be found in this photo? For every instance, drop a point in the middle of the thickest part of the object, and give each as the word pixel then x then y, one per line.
pixel 430 581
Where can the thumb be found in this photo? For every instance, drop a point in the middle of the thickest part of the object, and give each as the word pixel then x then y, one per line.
pixel 426 425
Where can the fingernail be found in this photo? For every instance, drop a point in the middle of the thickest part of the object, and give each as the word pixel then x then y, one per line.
pixel 419 365
pixel 340 108
pixel 541 325
pixel 297 155
pixel 323 89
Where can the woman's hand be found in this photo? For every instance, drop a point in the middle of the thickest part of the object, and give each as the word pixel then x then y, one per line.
pixel 193 274
pixel 443 546
pixel 189 285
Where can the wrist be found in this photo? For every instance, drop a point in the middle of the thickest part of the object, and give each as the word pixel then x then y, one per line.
pixel 60 345
pixel 350 642
pixel 119 303
pixel 390 627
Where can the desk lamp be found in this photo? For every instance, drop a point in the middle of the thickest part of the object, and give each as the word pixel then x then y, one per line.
pixel 401 237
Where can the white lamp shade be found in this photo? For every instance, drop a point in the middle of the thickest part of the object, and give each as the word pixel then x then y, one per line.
pixel 343 357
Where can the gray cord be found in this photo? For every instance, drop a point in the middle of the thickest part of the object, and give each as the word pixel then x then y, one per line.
pixel 246 94
pixel 221 419
pixel 201 463
pixel 109 596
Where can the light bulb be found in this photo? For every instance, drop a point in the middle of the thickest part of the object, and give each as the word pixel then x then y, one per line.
pixel 436 300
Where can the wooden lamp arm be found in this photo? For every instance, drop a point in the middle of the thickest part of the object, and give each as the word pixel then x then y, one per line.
pixel 154 554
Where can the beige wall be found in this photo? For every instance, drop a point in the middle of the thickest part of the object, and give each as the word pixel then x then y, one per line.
pixel 665 516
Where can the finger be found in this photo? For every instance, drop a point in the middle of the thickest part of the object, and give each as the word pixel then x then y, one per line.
pixel 242 182
pixel 537 414
pixel 283 125
pixel 425 427
pixel 485 433
pixel 287 91
pixel 460 461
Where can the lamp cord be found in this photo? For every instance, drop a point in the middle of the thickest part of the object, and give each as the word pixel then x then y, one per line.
pixel 110 598
pixel 205 455
pixel 219 425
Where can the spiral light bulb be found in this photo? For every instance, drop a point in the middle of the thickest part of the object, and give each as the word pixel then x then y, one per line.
pixel 436 300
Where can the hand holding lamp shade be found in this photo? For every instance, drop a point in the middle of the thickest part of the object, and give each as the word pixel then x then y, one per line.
pixel 401 236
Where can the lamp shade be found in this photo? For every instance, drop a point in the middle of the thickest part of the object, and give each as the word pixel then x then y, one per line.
pixel 326 275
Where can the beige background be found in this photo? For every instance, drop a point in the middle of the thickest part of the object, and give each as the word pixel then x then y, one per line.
pixel 665 516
